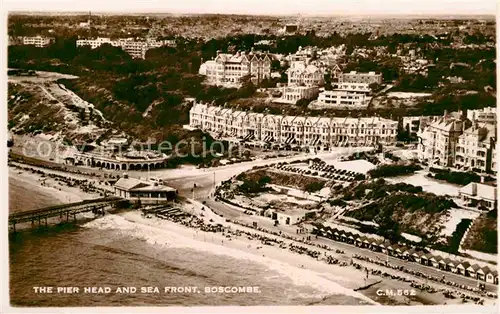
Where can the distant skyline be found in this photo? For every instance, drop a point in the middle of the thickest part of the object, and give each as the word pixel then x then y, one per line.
pixel 265 7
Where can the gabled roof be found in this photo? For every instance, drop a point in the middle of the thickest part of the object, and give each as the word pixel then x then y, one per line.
pixel 464 265
pixel 474 267
pixel 129 184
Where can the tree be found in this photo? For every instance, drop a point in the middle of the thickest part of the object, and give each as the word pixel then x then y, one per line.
pixel 314 186
pixel 375 87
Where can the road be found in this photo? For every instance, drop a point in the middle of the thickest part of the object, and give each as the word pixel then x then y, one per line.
pixel 205 179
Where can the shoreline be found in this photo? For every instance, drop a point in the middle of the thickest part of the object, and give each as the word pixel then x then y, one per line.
pixel 345 278
pixel 44 190
pixel 300 268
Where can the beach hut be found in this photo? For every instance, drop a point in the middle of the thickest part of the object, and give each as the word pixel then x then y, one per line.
pixel 490 275
pixel 336 234
pixel 343 236
pixel 495 277
pixel 424 259
pixel 452 266
pixel 383 246
pixel 359 241
pixel 443 263
pixel 366 242
pixel 472 270
pixel 374 244
pixel 349 237
pixel 462 268
pixel 434 260
pixel 390 249
pixel 398 250
pixel 481 273
pixel 415 256
pixel 407 253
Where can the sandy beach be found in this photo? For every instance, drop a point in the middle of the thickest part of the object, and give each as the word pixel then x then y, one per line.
pixel 303 269
pixel 43 191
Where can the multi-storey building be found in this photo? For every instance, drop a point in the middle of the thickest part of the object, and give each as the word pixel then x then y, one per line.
pixel 322 133
pixel 336 73
pixel 485 115
pixel 292 94
pixel 343 99
pixel 228 70
pixel 493 165
pixel 137 49
pixel 414 123
pixel 437 142
pixel 474 148
pixel 355 77
pixel 37 41
pixel 357 88
pixel 302 73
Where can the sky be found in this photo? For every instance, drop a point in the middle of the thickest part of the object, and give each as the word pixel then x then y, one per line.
pixel 265 7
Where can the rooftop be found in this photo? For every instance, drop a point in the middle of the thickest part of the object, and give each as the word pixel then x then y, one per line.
pixel 132 184
pixel 480 190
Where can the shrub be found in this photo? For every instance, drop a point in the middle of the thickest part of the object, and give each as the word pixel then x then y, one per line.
pixel 393 170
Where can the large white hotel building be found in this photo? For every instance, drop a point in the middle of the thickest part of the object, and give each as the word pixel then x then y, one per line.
pixel 228 70
pixel 321 133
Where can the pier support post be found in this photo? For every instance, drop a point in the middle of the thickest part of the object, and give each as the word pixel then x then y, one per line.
pixel 67 216
pixel 45 221
pixel 39 221
pixel 74 217
pixel 14 227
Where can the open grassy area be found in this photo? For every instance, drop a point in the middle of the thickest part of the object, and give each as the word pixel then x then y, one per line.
pixel 482 236
pixel 397 208
pixel 304 183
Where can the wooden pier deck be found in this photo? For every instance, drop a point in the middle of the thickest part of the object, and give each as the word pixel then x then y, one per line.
pixel 96 206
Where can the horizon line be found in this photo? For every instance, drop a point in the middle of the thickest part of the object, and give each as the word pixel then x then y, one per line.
pixel 491 15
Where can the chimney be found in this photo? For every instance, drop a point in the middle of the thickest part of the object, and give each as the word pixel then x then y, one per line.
pixel 474 188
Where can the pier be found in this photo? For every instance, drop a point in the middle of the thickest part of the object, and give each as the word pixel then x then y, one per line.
pixel 96 206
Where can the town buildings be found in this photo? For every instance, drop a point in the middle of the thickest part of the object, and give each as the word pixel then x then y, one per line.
pixel 322 133
pixel 437 142
pixel 37 41
pixel 343 99
pixel 345 96
pixel 413 124
pixel 474 148
pixel 228 70
pixel 137 49
pixel 367 78
pixel 455 141
pixel 479 195
pixel 292 94
pixel 302 73
pixel 485 115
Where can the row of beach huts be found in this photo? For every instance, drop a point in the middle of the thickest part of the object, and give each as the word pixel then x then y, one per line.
pixel 464 268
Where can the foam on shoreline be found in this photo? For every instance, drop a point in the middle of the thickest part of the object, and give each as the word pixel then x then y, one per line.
pixel 167 234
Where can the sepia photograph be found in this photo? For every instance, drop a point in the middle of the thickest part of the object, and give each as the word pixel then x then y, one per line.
pixel 206 154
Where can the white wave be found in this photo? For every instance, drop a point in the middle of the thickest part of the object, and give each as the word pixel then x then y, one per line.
pixel 155 235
